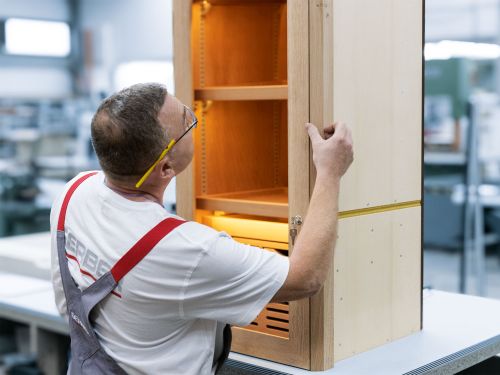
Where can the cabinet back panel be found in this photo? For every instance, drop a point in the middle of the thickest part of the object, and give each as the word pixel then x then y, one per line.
pixel 241 146
pixel 240 43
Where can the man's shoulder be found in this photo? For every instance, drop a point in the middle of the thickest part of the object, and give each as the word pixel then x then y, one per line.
pixel 56 204
pixel 71 182
pixel 199 234
pixel 81 174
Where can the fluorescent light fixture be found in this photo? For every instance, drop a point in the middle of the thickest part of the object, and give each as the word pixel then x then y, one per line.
pixel 447 49
pixel 37 38
pixel 130 73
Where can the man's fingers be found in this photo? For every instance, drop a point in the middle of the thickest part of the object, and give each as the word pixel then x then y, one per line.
pixel 329 129
pixel 314 135
pixel 337 127
pixel 349 135
pixel 340 129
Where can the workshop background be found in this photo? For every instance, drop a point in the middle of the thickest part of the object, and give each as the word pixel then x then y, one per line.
pixel 60 58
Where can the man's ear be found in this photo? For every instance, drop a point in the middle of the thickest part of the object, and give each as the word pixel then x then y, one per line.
pixel 166 169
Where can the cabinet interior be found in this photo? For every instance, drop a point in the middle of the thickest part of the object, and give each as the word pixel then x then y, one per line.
pixel 241 163
pixel 239 54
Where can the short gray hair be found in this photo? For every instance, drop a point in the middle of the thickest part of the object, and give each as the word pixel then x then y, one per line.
pixel 126 134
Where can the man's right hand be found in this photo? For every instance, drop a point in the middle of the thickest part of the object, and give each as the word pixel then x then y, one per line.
pixel 312 253
pixel 333 154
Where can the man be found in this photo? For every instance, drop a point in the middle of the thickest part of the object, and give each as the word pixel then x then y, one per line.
pixel 161 317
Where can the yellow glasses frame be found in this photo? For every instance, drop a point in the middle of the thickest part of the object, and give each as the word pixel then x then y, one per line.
pixel 169 147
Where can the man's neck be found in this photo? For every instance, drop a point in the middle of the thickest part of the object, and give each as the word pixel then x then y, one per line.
pixel 129 192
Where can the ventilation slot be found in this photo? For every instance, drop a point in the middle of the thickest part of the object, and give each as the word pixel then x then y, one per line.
pixel 273 320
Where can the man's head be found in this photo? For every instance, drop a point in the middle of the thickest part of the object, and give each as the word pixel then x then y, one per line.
pixel 131 128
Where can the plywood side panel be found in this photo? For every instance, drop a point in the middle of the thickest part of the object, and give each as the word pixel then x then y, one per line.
pixel 407 274
pixel 184 92
pixel 377 86
pixel 376 280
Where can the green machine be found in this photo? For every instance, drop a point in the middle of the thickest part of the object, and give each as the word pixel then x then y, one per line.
pixel 447 88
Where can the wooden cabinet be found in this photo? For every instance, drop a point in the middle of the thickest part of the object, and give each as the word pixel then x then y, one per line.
pixel 255 71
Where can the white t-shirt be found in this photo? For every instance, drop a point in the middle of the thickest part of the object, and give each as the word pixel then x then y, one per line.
pixel 163 316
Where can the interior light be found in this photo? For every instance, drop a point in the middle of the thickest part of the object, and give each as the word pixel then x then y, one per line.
pixel 38 38
pixel 447 49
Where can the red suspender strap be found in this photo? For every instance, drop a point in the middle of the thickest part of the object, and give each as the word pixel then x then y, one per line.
pixel 143 247
pixel 64 207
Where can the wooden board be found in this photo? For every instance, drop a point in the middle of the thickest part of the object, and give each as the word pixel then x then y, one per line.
pixel 258 92
pixel 377 90
pixel 266 202
pixel 298 162
pixel 377 280
pixel 321 84
pixel 184 92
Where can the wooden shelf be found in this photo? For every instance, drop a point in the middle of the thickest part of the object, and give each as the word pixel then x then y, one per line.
pixel 233 2
pixel 266 202
pixel 256 92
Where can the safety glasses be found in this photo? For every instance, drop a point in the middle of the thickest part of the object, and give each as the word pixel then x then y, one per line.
pixel 192 121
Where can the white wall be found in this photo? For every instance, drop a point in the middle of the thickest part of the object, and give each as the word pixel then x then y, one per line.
pixel 46 9
pixel 27 77
pixel 35 82
pixel 128 30
pixel 462 20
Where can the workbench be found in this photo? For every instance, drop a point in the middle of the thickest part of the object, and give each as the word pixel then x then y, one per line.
pixel 459 332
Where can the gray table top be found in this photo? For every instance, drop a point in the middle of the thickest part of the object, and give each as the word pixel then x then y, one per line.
pixel 459 331
pixel 27 255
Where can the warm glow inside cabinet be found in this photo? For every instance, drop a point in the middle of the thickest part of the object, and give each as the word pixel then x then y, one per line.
pixel 255 71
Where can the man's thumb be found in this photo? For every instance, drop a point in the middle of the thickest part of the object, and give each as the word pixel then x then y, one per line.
pixel 312 130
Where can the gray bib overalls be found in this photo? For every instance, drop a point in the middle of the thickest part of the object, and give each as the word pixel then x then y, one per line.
pixel 87 355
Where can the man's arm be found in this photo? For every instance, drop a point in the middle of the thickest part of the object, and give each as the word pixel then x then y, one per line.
pixel 311 256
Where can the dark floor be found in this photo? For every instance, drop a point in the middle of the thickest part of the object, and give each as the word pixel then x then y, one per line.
pixel 488 367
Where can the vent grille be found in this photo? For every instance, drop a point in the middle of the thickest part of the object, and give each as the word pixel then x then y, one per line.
pixel 273 320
